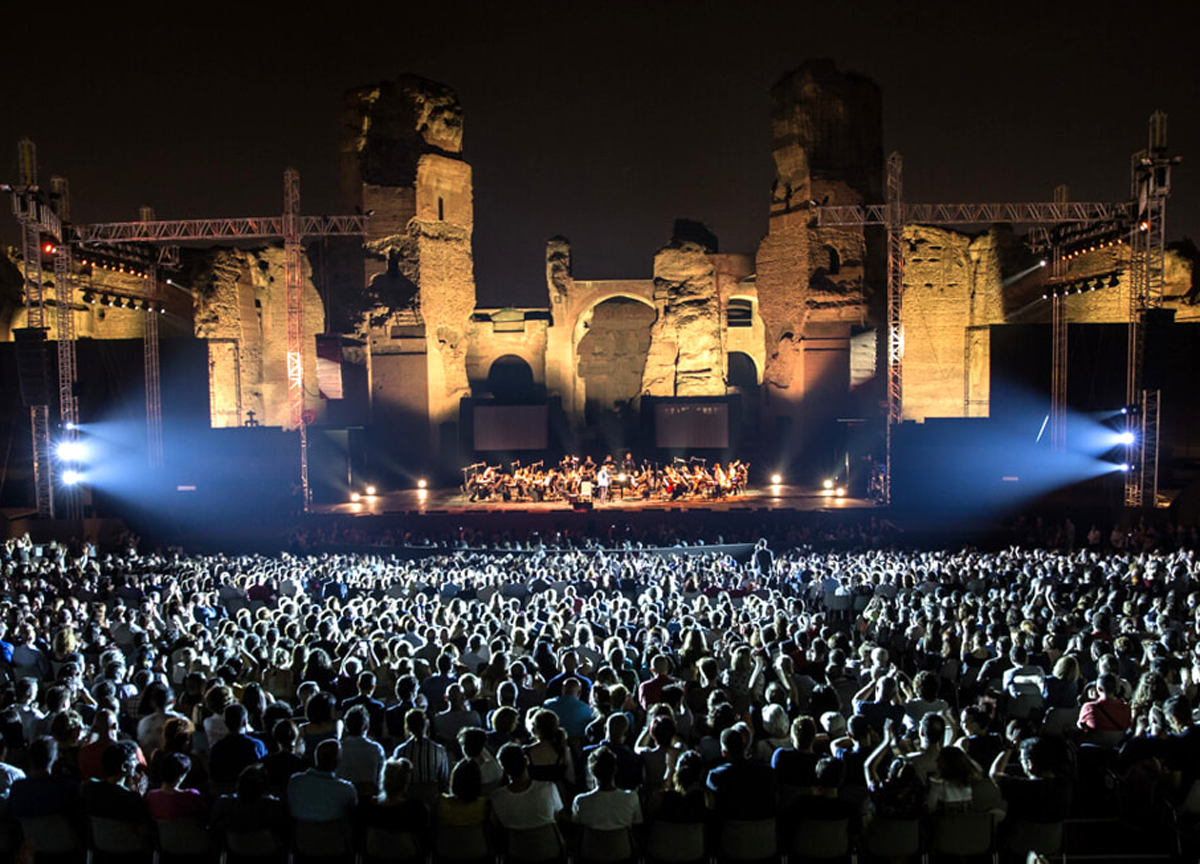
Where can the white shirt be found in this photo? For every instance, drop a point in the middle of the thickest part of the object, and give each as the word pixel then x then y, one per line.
pixel 536 807
pixel 607 810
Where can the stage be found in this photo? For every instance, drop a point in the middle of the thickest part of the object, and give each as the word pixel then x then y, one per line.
pixel 452 501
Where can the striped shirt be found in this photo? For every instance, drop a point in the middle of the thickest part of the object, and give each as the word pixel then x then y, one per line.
pixel 429 759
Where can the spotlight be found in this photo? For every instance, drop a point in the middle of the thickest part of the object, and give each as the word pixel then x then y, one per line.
pixel 1125 438
pixel 423 484
pixel 354 496
pixel 776 479
pixel 828 484
pixel 840 492
pixel 70 478
pixel 71 427
pixel 1126 467
pixel 370 491
pixel 146 306
pixel 70 451
pixel 1042 263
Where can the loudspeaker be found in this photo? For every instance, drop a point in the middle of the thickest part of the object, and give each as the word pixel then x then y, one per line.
pixel 33 369
pixel 1156 354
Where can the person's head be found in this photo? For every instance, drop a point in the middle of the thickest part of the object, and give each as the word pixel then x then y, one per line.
pixel 546 727
pixel 733 745
pixel 830 773
pixel 775 721
pixel 1107 686
pixel 513 760
pixel 397 774
pixel 327 755
pixel 603 766
pixel 319 708
pixel 932 731
pixel 927 685
pixel 43 753
pixel 236 718
pixel 472 740
pixel 466 780
pixel 571 688
pixel 616 727
pixel 414 723
pixel 505 719
pixel 173 767
pixel 955 767
pixel 803 733
pixel 662 730
pixel 357 720
pixel 119 761
pixel 689 771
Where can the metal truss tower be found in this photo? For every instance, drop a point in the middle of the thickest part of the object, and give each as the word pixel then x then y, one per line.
pixel 1150 186
pixel 895 318
pixel 293 229
pixel 895 214
pixel 1058 344
pixel 37 220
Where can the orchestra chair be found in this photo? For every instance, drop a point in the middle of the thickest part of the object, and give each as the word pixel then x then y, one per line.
pixel 322 842
pixel 963 835
pixel 676 843
pixel 53 838
pixel 745 840
pixel 461 844
pixel 262 846
pixel 888 839
pixel 607 847
pixel 186 840
pixel 820 840
pixel 117 840
pixel 387 846
pixel 534 845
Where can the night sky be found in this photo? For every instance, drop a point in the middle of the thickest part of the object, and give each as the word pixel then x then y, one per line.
pixel 602 122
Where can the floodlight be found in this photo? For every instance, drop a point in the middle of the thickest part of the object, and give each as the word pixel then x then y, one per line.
pixel 354 496
pixel 776 479
pixel 1126 438
pixel 70 451
pixel 370 490
pixel 422 484
pixel 70 478
pixel 828 484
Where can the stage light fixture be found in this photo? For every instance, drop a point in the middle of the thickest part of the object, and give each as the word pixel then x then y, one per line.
pixel 424 484
pixel 70 478
pixel 354 496
pixel 370 491
pixel 776 479
pixel 828 484
pixel 1125 438
pixel 1042 263
pixel 840 492
pixel 1126 467
pixel 70 451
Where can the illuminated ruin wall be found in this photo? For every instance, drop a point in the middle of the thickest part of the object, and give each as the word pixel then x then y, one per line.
pixel 954 292
pixel 241 309
pixel 401 164
pixel 814 286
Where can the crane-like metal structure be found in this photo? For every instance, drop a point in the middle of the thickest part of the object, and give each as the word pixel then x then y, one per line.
pixel 37 221
pixel 1150 186
pixel 291 227
pixel 894 214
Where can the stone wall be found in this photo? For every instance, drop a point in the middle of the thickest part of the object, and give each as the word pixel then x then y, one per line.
pixel 241 308
pixel 686 355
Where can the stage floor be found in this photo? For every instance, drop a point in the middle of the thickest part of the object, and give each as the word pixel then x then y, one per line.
pixel 421 501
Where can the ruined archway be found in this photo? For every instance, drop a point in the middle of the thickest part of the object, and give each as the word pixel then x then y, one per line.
pixel 612 341
pixel 510 380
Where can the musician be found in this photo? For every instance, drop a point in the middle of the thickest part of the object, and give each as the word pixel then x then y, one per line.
pixel 603 479
pixel 628 466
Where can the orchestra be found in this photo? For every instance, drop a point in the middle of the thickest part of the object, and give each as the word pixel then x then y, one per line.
pixel 573 479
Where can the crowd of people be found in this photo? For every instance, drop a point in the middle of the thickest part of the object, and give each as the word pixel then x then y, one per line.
pixel 606 689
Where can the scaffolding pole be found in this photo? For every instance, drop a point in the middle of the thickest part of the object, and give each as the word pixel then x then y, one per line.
pixel 293 277
pixel 895 292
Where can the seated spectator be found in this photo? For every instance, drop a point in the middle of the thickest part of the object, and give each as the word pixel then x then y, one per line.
pixel 740 788
pixel 40 793
pixel 927 686
pixel 549 756
pixel 522 802
pixel 446 724
pixel 171 800
pixel 318 794
pixel 473 743
pixel 251 807
pixel 825 803
pixel 116 796
pixel 282 761
pixel 684 798
pixel 630 768
pixel 464 804
pixel 236 749
pixel 606 807
pixel 431 764
pixel 1040 793
pixel 795 766
pixel 362 758
pixel 1106 718
pixel 572 713
pixel 394 809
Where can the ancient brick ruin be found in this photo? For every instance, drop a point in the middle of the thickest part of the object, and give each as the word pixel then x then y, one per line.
pixel 792 327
